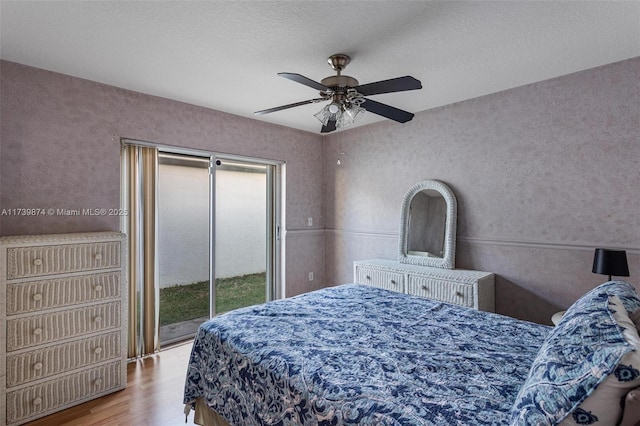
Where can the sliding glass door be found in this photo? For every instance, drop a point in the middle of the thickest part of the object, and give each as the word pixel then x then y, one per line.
pixel 216 239
pixel 243 234
pixel 183 244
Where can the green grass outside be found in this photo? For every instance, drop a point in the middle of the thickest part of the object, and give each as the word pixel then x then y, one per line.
pixel 187 302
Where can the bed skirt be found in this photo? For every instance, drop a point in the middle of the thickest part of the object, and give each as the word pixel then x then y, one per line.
pixel 205 416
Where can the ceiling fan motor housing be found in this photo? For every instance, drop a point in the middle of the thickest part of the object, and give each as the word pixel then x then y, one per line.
pixel 340 81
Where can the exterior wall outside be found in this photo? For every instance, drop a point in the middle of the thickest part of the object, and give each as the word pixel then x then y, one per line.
pixel 183 225
pixel 60 149
pixel 543 174
pixel 241 223
pixel 183 229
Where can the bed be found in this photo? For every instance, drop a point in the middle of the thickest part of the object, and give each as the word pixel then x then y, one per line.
pixel 359 355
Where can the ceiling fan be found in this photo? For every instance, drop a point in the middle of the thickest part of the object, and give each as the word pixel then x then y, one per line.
pixel 347 96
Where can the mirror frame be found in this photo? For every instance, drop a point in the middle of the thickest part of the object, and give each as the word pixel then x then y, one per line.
pixel 447 261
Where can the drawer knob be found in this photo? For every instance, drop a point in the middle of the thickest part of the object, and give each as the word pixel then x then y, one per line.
pixel 97 319
pixel 425 288
pixel 37 262
pixel 98 256
pixel 368 277
pixel 97 381
pixel 37 366
pixel 459 294
pixel 393 282
pixel 37 401
pixel 37 297
pixel 98 288
pixel 97 350
pixel 37 331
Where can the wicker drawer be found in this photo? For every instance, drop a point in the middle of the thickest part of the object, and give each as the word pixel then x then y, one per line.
pixel 445 291
pixel 62 321
pixel 383 279
pixel 56 394
pixel 39 295
pixel 48 328
pixel 51 360
pixel 473 289
pixel 26 262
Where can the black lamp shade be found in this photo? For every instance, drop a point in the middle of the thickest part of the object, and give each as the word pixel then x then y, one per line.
pixel 610 262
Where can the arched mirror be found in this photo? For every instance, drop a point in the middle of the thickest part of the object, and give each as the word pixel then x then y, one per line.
pixel 428 225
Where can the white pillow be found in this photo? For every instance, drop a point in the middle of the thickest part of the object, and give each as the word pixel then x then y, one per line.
pixel 635 317
pixel 631 416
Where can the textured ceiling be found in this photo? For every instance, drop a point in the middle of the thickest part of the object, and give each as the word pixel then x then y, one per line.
pixel 226 55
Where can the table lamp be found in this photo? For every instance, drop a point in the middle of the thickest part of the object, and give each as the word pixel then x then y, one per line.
pixel 610 262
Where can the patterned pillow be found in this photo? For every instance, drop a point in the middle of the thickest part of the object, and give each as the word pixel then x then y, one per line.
pixel 604 406
pixel 577 356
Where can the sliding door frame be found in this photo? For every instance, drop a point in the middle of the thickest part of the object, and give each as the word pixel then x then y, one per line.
pixel 275 288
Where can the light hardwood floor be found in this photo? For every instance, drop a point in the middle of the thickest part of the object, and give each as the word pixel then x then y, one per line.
pixel 153 396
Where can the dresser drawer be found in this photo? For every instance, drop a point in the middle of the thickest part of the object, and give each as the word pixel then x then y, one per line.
pixel 39 295
pixel 27 262
pixel 445 291
pixel 50 396
pixel 62 321
pixel 51 360
pixel 48 328
pixel 383 279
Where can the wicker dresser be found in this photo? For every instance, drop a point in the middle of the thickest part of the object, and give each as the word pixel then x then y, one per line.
pixel 473 289
pixel 63 314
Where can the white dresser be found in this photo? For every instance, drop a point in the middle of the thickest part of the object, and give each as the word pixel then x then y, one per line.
pixel 63 317
pixel 473 289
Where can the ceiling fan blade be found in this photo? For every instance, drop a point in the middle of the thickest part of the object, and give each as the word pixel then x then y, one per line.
pixel 387 111
pixel 330 127
pixel 399 84
pixel 280 108
pixel 304 80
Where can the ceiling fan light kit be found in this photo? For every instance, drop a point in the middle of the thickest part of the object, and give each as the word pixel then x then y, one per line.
pixel 332 112
pixel 347 96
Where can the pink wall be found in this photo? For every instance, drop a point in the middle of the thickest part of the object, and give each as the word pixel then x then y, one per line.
pixel 543 174
pixel 60 149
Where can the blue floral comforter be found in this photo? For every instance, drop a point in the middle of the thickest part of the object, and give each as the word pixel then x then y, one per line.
pixel 359 355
